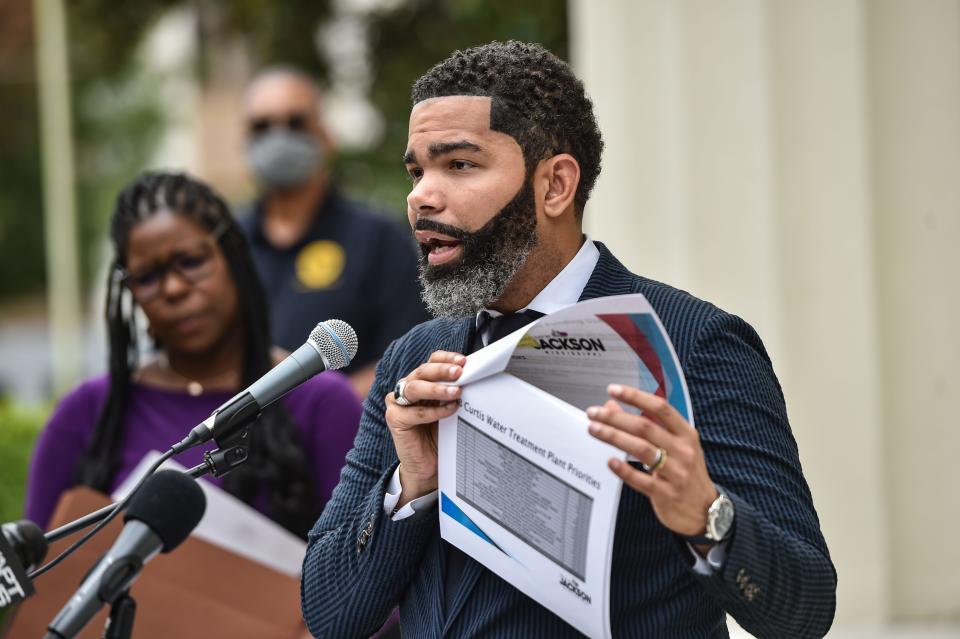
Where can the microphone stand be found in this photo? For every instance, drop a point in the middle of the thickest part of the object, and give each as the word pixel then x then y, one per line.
pixel 232 453
pixel 217 462
pixel 120 622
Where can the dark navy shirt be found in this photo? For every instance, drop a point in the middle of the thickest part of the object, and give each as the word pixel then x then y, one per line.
pixel 351 264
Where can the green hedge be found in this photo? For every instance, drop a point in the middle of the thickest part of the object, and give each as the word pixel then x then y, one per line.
pixel 19 428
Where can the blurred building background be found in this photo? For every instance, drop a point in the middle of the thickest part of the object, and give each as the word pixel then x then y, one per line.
pixel 796 162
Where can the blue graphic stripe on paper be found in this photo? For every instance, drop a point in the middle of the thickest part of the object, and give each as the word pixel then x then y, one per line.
pixel 448 506
pixel 648 326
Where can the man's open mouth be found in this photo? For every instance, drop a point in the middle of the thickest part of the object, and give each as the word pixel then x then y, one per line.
pixel 439 248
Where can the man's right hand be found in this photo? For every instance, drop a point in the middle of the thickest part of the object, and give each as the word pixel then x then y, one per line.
pixel 414 427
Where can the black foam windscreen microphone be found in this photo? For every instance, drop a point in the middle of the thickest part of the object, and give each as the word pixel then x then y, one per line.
pixel 161 515
pixel 331 345
pixel 22 548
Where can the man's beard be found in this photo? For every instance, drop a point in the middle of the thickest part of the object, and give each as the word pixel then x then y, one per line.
pixel 489 259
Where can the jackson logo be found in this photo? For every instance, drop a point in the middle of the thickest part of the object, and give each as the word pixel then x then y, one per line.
pixel 563 342
pixel 574 586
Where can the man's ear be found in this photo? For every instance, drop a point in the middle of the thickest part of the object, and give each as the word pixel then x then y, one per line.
pixel 559 177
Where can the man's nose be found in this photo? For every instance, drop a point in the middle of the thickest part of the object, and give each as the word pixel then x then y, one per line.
pixel 426 196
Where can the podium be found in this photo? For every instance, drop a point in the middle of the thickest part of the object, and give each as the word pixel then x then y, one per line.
pixel 198 590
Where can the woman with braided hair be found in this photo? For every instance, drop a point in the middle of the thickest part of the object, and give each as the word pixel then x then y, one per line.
pixel 180 257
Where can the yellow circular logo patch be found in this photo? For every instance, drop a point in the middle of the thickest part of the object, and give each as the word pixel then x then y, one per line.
pixel 320 264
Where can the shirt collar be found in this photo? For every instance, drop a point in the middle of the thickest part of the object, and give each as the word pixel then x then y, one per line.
pixel 564 289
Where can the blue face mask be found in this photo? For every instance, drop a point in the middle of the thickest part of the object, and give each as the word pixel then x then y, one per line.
pixel 284 159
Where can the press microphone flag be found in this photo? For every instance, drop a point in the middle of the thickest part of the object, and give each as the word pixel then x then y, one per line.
pixel 331 345
pixel 22 547
pixel 161 515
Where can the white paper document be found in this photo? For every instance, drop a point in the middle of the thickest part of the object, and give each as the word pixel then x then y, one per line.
pixel 524 489
pixel 233 525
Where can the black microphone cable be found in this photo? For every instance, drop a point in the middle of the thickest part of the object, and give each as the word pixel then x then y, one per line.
pixel 161 516
pixel 106 520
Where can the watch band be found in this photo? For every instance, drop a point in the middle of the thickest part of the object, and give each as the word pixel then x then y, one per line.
pixel 701 540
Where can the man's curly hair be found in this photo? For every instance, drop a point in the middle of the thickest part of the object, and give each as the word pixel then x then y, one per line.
pixel 536 100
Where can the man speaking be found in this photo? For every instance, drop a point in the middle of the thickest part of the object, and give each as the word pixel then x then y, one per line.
pixel 502 152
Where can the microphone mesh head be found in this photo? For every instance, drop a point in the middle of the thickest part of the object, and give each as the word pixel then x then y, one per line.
pixel 337 342
pixel 171 504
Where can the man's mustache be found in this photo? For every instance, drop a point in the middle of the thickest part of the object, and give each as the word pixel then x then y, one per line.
pixel 426 224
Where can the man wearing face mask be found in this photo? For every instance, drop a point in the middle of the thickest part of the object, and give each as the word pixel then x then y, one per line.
pixel 320 254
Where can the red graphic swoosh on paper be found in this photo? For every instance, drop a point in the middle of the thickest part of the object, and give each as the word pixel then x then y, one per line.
pixel 632 335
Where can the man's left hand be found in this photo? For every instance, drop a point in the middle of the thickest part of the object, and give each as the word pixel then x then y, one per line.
pixel 679 488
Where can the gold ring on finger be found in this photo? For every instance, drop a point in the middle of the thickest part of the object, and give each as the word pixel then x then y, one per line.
pixel 656 461
pixel 659 462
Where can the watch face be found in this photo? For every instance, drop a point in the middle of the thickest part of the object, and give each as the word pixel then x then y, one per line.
pixel 720 519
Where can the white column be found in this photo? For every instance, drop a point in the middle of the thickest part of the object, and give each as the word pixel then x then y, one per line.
pixel 680 90
pixel 737 168
pixel 829 368
pixel 914 50
pixel 733 229
pixel 629 55
pixel 59 211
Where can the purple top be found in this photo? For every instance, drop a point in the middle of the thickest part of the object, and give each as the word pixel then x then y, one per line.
pixel 324 408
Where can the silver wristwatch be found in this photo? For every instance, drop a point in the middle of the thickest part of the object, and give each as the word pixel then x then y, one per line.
pixel 719 521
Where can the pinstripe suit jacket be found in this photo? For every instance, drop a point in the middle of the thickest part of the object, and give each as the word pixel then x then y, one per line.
pixel 777 581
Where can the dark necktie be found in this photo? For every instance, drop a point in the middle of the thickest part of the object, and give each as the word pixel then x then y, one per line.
pixel 499 326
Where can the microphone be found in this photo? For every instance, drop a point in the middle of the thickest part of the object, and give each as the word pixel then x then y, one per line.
pixel 331 345
pixel 161 515
pixel 22 548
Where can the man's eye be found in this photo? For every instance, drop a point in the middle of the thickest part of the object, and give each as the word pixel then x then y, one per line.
pixel 460 165
pixel 415 173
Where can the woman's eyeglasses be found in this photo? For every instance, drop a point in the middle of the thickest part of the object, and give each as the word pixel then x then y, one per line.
pixel 193 264
pixel 294 122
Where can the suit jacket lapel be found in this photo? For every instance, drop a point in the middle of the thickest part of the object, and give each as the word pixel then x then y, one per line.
pixel 435 572
pixel 460 336
pixel 471 573
pixel 609 277
pixel 458 339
